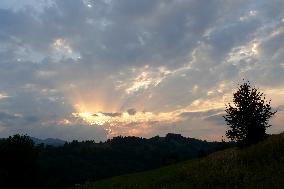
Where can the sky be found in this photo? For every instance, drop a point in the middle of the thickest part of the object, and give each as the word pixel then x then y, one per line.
pixel 95 69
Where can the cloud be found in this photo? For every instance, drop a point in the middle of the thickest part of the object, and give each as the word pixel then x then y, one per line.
pixel 115 114
pixel 131 111
pixel 280 108
pixel 8 119
pixel 180 58
pixel 3 96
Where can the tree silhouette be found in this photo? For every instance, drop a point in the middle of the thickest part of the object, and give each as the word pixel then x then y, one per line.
pixel 248 117
pixel 18 157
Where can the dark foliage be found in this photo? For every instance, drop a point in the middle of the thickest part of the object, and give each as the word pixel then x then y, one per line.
pixel 24 165
pixel 18 157
pixel 78 162
pixel 248 118
pixel 259 166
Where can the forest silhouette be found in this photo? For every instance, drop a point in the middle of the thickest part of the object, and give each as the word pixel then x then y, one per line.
pixel 46 166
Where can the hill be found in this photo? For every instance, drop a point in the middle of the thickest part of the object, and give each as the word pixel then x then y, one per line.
pixel 258 166
pixel 78 162
pixel 48 141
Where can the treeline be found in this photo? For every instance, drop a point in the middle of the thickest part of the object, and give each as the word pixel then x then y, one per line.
pixel 77 162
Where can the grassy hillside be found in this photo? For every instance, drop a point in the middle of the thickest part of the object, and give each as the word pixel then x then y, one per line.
pixel 259 166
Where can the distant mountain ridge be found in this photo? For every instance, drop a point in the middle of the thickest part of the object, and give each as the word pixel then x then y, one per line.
pixel 48 141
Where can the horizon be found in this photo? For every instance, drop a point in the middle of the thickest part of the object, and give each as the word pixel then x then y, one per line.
pixel 96 69
pixel 96 141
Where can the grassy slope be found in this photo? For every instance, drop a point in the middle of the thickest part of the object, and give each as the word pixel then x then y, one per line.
pixel 259 166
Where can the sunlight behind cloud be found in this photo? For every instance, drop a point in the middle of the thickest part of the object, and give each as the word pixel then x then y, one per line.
pixel 125 118
pixel 3 95
pixel 125 123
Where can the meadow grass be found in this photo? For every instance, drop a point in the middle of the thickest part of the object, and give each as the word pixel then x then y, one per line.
pixel 257 166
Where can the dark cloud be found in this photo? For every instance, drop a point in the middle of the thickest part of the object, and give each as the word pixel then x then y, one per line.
pixel 218 119
pixel 8 119
pixel 115 114
pixel 131 111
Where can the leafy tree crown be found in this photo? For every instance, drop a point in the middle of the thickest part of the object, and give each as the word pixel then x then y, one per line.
pixel 249 115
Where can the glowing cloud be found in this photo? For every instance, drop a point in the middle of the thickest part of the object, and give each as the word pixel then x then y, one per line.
pixel 3 95
pixel 61 48
pixel 125 118
pixel 146 79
